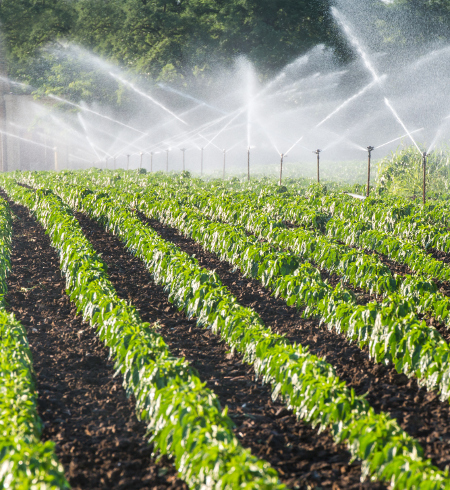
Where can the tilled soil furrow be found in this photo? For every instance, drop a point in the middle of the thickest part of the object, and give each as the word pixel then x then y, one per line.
pixel 299 453
pixel 83 406
pixel 419 412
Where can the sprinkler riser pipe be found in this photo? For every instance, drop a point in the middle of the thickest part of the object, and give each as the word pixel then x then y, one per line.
pixel 56 158
pixel 369 161
pixel 317 152
pixel 183 150
pixel 201 163
pixel 224 159
pixel 424 156
pixel 281 168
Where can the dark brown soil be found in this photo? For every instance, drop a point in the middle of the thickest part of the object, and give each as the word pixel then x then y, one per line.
pixel 439 255
pixel 299 453
pixel 83 406
pixel 392 265
pixel 419 412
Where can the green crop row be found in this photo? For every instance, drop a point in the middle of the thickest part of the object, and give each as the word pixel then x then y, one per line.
pixel 25 461
pixel 349 231
pixel 308 384
pixel 184 418
pixel 390 329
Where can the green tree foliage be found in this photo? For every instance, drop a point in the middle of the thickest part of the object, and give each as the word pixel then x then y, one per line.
pixel 183 40
pixel 158 37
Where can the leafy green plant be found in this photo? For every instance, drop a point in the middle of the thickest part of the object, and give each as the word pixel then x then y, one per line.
pixel 401 174
pixel 25 461
pixel 308 384
pixel 184 418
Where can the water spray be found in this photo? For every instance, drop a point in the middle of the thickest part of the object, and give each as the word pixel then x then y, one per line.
pixel 399 138
pixel 190 97
pixel 318 152
pixel 370 150
pixel 64 101
pixel 402 124
pixel 143 94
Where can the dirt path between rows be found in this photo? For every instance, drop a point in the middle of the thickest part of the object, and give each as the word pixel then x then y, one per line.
pixel 83 406
pixel 419 412
pixel 301 455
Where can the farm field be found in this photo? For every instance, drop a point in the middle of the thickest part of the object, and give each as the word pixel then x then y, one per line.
pixel 253 335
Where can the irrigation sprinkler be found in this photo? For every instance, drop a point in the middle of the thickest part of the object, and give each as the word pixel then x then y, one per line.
pixel 56 158
pixel 317 152
pixel 424 156
pixel 128 162
pixel 224 159
pixel 167 161
pixel 201 162
pixel 370 150
pixel 140 162
pixel 184 151
pixel 281 167
pixel 248 164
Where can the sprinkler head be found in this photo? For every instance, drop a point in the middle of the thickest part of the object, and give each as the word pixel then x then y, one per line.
pixel 317 152
pixel 370 148
pixel 424 154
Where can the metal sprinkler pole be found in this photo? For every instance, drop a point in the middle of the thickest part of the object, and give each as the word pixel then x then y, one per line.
pixel 224 158
pixel 281 167
pixel 56 158
pixel 317 152
pixel 167 160
pixel 370 150
pixel 424 155
pixel 248 165
pixel 183 150
pixel 140 163
pixel 128 161
pixel 201 163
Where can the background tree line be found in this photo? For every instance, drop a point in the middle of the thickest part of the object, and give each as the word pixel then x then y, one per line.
pixel 183 40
